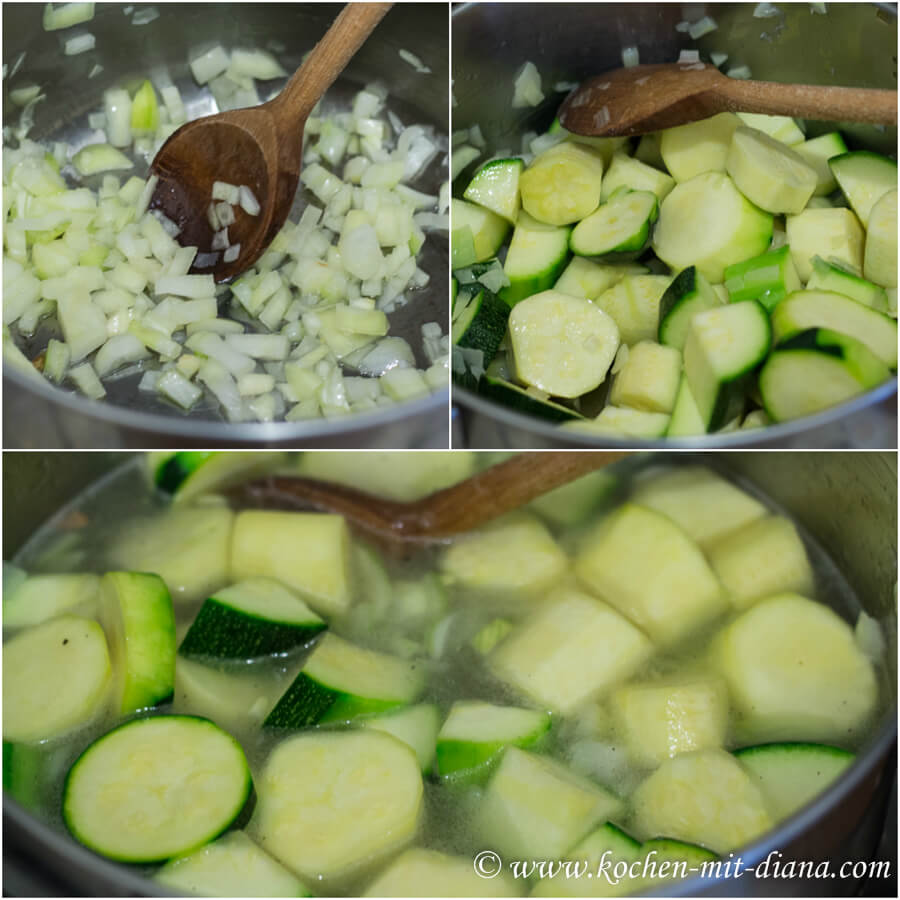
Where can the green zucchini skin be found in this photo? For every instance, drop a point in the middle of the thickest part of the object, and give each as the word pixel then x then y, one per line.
pixel 222 632
pixel 170 475
pixel 487 326
pixel 307 703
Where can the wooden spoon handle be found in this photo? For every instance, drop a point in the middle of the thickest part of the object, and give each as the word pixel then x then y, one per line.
pixel 808 101
pixel 327 60
pixel 503 488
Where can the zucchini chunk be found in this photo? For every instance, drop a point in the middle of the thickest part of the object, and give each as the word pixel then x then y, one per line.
pixel 477 233
pixel 835 312
pixel 137 615
pixel 685 420
pixel 235 699
pixel 588 279
pixel 626 171
pixel 622 421
pixel 649 378
pixel 525 400
pixel 479 323
pixel 621 225
pixel 681 856
pixel 570 504
pixel 703 798
pixel 188 474
pixel 495 186
pixel 340 681
pixel 41 597
pixel 689 294
pixel 562 345
pixel 187 547
pixel 474 734
pixel 255 618
pixel 783 129
pixel 817 152
pixel 56 678
pixel 723 348
pixel 331 803
pixel 562 185
pixel 768 278
pixel 703 504
pixel 512 555
pixel 795 672
pixel 416 726
pixel 660 719
pixel 572 648
pixel 118 798
pixel 764 557
pixel 707 222
pixel 536 808
pixel 880 257
pixel 418 872
pixel 864 178
pixel 608 839
pixel 633 304
pixel 652 572
pixel 698 147
pixel 816 369
pixel 309 552
pixel 789 775
pixel 232 866
pixel 827 276
pixel 536 255
pixel 838 230
pixel 768 173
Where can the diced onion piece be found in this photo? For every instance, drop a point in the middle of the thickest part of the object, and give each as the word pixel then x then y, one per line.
pixel 630 57
pixel 462 156
pixel 414 61
pixel 117 107
pixel 248 201
pixel 232 253
pixel 739 72
pixel 145 16
pixel 255 383
pixel 24 95
pixel 766 11
pixel 117 351
pixel 81 43
pixel 174 385
pixel 86 380
pixel 67 15
pixel 220 240
pixel 186 285
pixel 701 27
pixel 688 56
pixel 404 384
pixel 718 58
pixel 208 65
pixel 527 87
pixel 222 190
pixel 100 158
pixel 255 64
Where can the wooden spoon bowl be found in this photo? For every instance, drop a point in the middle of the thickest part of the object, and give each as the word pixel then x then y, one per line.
pixel 641 99
pixel 260 147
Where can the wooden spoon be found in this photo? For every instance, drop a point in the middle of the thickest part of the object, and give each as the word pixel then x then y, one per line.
pixel 641 99
pixel 457 509
pixel 260 147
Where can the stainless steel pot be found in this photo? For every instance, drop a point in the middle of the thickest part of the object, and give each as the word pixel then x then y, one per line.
pixel 39 415
pixel 854 44
pixel 846 501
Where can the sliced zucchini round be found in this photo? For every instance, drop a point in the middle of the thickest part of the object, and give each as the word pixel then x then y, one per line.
pixel 562 345
pixel 155 788
pixel 621 225
pixel 864 177
pixel 56 678
pixel 332 802
pixel 563 184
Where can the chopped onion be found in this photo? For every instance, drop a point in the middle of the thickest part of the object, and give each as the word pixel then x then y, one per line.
pixel 820 8
pixel 232 253
pixel 220 240
pixel 174 385
pixel 145 16
pixel 95 71
pixel 86 380
pixel 766 11
pixel 24 95
pixel 79 44
pixel 688 56
pixel 630 57
pixel 248 201
pixel 739 72
pixel 527 87
pixel 414 61
pixel 702 26
pixel 208 65
pixel 683 26
pixel 718 58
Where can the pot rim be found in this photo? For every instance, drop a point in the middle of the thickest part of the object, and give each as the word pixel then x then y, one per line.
pixel 216 431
